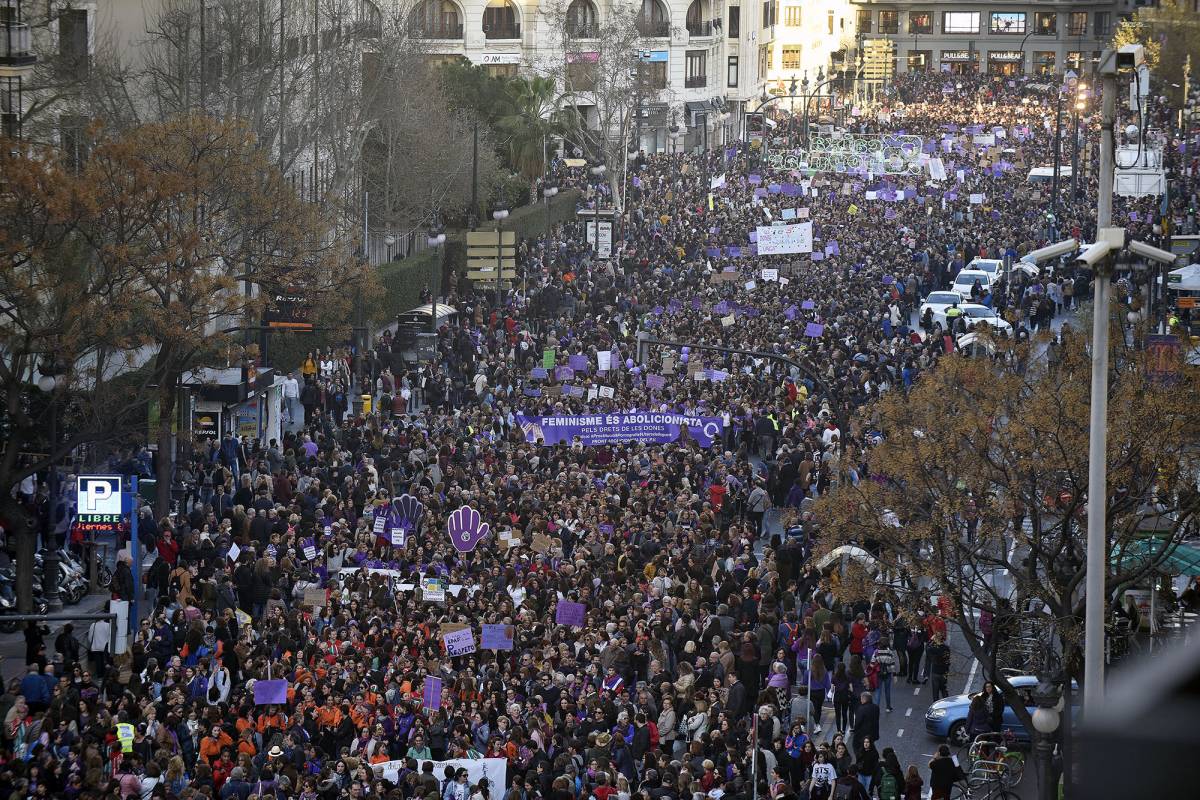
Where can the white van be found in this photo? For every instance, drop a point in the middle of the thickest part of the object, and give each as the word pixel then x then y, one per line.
pixel 1046 174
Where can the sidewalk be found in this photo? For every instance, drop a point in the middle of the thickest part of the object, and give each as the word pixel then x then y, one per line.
pixel 12 645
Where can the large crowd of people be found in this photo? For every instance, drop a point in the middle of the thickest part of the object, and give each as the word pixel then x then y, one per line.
pixel 709 644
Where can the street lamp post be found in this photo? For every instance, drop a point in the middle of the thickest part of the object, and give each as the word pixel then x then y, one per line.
pixel 1046 717
pixel 48 382
pixel 1057 151
pixel 500 214
pixel 549 191
pixel 436 238
pixel 1081 95
pixel 598 171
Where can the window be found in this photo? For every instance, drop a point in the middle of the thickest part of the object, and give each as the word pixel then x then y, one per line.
pixel 791 16
pixel 735 22
pixel 1008 22
pixel 500 20
pixel 791 57
pixel 72 131
pixel 1074 59
pixel 889 21
pixel 919 22
pixel 864 21
pixel 653 20
pixel 1077 23
pixel 764 61
pixel 830 18
pixel 1045 23
pixel 697 69
pixel 1103 24
pixel 656 75
pixel 73 41
pixel 731 72
pixel 768 12
pixel 960 22
pixel 501 70
pixel 1043 62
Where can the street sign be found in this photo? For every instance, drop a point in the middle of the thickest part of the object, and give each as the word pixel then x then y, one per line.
pixel 98 503
pixel 488 251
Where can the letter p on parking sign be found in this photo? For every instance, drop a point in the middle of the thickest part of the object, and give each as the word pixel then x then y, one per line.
pixel 99 495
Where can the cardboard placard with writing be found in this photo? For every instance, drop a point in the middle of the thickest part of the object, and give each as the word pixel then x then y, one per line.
pixel 542 543
pixel 314 597
pixel 451 627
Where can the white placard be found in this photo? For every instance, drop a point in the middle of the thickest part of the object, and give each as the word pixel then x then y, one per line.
pixel 770 274
pixel 976 199
pixel 234 552
pixel 606 391
pixel 727 322
pixel 604 361
pixel 751 286
pixel 937 169
pixel 776 240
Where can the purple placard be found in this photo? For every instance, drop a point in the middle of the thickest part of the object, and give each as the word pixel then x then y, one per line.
pixel 531 391
pixel 268 693
pixel 755 180
pixel 644 427
pixel 774 188
pixel 789 313
pixel 655 382
pixel 496 637
pixel 564 373
pixel 579 363
pixel 888 280
pixel 713 252
pixel 735 252
pixel 818 255
pixel 466 529
pixel 753 236
pixel 721 307
pixel 569 613
pixel 607 529
pixel 808 305
pixel 760 192
pixel 889 214
pixel 431 693
pixel 539 373
pixel 814 329
pixel 574 391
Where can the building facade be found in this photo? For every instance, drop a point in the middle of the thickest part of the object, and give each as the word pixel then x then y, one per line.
pixel 997 37
pixel 811 39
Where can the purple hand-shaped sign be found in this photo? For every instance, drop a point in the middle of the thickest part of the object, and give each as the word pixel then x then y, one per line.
pixel 466 529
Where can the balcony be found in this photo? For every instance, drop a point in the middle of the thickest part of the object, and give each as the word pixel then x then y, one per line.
pixel 502 32
pixel 16 45
pixel 695 82
pixel 584 31
pixel 700 28
pixel 654 29
pixel 440 32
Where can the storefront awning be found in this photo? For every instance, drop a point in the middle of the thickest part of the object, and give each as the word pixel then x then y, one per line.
pixel 1182 560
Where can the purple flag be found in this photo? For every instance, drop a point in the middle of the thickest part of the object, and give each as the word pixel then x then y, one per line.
pixel 713 252
pixel 569 613
pixel 721 307
pixel 814 330
pixel 431 693
pixel 730 154
pixel 496 637
pixel 270 692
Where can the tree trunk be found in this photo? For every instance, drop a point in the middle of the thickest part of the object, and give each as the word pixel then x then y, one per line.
pixel 20 526
pixel 164 468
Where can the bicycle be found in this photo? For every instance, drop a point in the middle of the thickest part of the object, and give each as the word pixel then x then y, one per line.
pixel 993 748
pixel 987 781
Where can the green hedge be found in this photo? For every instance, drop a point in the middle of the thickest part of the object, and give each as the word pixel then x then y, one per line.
pixel 402 282
pixel 528 221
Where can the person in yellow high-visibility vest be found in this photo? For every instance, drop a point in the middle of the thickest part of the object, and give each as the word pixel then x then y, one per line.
pixel 125 735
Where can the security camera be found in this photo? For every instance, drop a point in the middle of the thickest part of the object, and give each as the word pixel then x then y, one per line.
pixel 1130 57
pixel 1051 251
pixel 1095 254
pixel 1153 253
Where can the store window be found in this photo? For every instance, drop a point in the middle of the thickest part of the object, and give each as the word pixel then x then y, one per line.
pixel 791 57
pixel 1007 22
pixel 1045 23
pixel 864 21
pixel 889 21
pixel 1043 62
pixel 960 22
pixel 1077 23
pixel 919 22
pixel 1073 61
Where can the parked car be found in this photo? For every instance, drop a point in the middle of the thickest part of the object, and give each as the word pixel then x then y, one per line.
pixel 967 278
pixel 992 266
pixel 938 302
pixel 947 718
pixel 973 314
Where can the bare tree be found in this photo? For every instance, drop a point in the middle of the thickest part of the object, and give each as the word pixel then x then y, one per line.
pixel 597 68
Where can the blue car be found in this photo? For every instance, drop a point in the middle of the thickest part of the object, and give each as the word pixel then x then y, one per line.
pixel 947 718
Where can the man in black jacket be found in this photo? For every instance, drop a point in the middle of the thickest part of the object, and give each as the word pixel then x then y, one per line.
pixel 866 722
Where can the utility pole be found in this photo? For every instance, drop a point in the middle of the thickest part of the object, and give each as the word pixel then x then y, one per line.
pixel 473 216
pixel 1097 534
pixel 1057 161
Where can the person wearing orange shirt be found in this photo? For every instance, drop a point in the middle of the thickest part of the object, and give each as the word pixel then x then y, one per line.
pixel 210 746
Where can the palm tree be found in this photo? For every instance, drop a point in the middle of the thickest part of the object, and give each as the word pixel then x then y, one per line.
pixel 528 124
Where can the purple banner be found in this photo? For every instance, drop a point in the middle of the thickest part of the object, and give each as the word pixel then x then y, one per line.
pixel 496 637
pixel 600 429
pixel 270 692
pixel 431 693
pixel 569 613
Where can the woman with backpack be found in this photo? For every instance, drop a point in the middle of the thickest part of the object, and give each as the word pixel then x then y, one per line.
pixel 885 663
pixel 891 777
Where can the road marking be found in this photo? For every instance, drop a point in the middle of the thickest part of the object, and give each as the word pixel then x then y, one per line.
pixel 971 675
pixel 899 733
pixel 916 691
pixel 908 713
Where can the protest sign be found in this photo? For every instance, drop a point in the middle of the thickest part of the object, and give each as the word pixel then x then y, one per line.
pixel 570 613
pixel 459 643
pixel 270 692
pixel 497 637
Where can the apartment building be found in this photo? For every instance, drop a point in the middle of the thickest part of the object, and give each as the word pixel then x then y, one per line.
pixel 999 37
